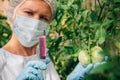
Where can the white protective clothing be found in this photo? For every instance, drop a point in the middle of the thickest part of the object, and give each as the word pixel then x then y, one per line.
pixel 11 65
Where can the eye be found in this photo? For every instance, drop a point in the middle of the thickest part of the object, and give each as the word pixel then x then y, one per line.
pixel 44 18
pixel 28 13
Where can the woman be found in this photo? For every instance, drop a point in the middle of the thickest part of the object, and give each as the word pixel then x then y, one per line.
pixel 19 59
pixel 30 18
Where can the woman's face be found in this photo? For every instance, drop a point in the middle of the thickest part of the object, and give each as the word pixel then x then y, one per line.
pixel 37 9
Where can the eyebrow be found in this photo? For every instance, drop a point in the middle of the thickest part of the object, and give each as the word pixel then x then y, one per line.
pixel 35 11
pixel 29 9
pixel 32 10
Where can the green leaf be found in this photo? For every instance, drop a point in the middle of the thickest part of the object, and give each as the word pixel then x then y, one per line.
pixel 65 7
pixel 107 23
pixel 104 1
pixel 100 35
pixel 116 9
pixel 95 25
pixel 69 48
pixel 85 14
pixel 70 3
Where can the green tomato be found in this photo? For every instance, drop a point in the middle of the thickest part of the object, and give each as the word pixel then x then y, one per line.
pixel 83 57
pixel 117 44
pixel 97 54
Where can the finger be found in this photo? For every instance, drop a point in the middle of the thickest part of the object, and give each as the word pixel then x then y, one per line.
pixel 98 64
pixel 106 58
pixel 37 74
pixel 84 72
pixel 29 76
pixel 80 78
pixel 78 67
pixel 34 74
pixel 26 74
pixel 88 69
pixel 39 65
pixel 48 60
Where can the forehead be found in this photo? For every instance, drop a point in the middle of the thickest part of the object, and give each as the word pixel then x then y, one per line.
pixel 37 5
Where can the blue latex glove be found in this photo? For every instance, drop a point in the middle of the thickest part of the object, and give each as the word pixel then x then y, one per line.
pixel 81 71
pixel 100 63
pixel 32 70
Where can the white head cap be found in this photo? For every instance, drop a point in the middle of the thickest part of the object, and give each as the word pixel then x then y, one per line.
pixel 14 4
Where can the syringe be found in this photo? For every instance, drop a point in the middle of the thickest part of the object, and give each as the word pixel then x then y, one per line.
pixel 42 52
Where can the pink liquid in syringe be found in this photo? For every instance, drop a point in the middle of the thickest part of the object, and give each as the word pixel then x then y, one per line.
pixel 42 47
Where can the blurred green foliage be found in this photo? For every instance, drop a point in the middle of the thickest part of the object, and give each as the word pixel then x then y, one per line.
pixel 5 31
pixel 76 27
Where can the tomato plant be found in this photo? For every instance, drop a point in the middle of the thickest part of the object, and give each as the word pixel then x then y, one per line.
pixel 84 57
pixel 81 28
pixel 97 54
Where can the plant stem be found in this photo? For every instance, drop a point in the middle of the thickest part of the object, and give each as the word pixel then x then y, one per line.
pixel 101 10
pixel 99 3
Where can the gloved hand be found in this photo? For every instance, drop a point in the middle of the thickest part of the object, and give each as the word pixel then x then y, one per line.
pixel 100 63
pixel 81 71
pixel 32 70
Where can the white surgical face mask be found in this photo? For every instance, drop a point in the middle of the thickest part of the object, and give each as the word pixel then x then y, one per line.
pixel 28 30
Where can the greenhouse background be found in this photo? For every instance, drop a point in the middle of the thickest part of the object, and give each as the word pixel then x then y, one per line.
pixel 80 25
